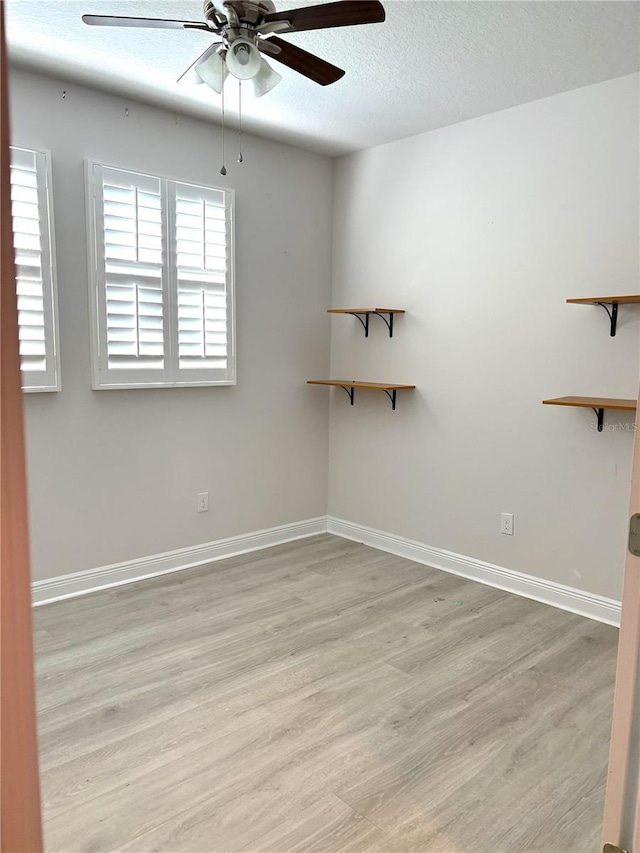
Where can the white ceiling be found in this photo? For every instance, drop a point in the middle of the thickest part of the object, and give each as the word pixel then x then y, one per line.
pixel 430 64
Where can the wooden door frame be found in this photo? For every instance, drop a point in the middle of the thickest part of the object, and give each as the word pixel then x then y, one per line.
pixel 621 825
pixel 20 819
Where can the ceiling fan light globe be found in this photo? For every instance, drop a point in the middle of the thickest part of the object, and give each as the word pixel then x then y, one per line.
pixel 243 59
pixel 265 80
pixel 191 78
pixel 213 72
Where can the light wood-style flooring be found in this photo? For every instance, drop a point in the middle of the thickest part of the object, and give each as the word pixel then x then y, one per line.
pixel 321 696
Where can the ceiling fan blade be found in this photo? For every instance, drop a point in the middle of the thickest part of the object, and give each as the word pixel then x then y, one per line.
pixel 191 75
pixel 300 60
pixel 155 23
pixel 345 13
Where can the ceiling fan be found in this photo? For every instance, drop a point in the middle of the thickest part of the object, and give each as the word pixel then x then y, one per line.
pixel 247 29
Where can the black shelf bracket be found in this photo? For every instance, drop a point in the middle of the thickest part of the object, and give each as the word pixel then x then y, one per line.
pixel 365 322
pixel 388 322
pixel 350 393
pixel 613 315
pixel 600 417
pixel 392 396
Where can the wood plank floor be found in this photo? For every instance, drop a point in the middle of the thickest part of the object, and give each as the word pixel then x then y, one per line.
pixel 321 696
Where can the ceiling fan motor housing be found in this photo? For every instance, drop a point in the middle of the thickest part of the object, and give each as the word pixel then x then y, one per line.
pixel 247 11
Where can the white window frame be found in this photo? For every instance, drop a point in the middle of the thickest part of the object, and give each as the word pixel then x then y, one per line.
pixel 48 379
pixel 171 376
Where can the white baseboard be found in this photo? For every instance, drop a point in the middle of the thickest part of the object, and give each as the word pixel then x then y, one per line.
pixel 557 595
pixel 565 597
pixel 80 583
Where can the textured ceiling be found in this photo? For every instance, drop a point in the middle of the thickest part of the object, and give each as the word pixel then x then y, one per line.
pixel 430 64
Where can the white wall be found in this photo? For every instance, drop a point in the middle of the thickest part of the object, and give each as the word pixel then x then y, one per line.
pixel 113 475
pixel 481 231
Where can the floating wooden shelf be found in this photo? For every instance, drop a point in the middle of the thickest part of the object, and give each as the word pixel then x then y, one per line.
pixel 388 388
pixel 604 301
pixel 365 313
pixel 598 404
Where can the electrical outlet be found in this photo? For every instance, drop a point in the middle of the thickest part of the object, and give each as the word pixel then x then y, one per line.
pixel 506 523
pixel 203 502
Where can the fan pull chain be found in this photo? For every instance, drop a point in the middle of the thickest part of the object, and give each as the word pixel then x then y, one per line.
pixel 240 157
pixel 223 170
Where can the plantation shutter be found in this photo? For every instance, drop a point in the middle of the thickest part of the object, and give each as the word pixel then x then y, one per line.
pixel 202 266
pixel 35 282
pixel 133 270
pixel 161 281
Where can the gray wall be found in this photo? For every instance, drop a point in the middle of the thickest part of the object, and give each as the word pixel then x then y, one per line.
pixel 481 231
pixel 113 475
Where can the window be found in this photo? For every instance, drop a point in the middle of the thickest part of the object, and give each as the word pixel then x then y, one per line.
pixel 161 281
pixel 32 220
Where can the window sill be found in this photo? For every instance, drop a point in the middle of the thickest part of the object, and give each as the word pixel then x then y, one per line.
pixel 139 386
